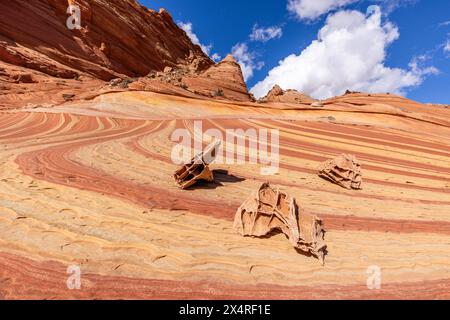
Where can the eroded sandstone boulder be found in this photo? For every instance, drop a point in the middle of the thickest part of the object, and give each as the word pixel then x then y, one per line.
pixel 343 170
pixel 198 168
pixel 269 210
pixel 118 38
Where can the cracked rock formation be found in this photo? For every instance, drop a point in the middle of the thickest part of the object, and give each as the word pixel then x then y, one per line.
pixel 270 210
pixel 42 60
pixel 343 170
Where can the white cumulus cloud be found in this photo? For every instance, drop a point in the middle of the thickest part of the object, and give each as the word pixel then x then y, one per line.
pixel 246 59
pixel 349 53
pixel 188 28
pixel 265 34
pixel 313 9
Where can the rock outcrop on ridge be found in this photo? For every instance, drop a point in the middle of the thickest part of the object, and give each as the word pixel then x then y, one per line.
pixel 277 94
pixel 223 81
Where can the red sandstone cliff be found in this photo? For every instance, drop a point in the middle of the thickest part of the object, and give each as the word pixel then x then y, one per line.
pixel 42 61
pixel 222 80
pixel 117 38
pixel 277 94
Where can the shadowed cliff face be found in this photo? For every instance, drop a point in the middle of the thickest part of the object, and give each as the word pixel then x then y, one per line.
pixel 117 37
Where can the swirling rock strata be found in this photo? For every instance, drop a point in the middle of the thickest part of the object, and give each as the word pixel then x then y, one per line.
pixel 117 38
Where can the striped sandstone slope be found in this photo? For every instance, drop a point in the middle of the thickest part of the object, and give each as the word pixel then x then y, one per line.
pixel 42 61
pixel 90 183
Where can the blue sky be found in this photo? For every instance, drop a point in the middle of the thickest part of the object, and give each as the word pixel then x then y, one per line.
pixel 398 46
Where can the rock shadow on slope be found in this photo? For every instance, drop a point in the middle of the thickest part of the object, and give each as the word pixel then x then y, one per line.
pixel 221 177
